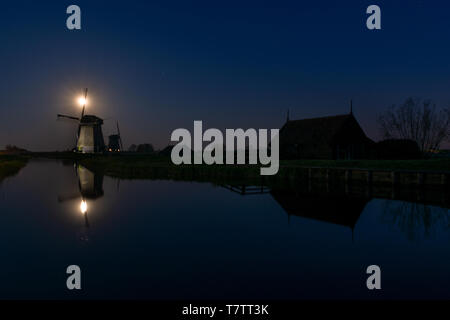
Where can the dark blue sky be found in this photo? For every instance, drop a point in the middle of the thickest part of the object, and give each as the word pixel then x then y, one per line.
pixel 159 66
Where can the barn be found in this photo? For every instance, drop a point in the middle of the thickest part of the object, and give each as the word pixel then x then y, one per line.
pixel 334 137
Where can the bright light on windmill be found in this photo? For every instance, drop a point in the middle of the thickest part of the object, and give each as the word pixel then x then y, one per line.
pixel 82 101
pixel 83 207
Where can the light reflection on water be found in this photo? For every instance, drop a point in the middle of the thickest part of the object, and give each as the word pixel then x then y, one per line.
pixel 165 239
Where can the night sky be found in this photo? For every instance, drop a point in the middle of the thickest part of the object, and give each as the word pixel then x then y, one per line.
pixel 159 66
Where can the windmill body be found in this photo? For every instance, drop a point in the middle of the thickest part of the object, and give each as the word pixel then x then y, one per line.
pixel 90 135
pixel 115 141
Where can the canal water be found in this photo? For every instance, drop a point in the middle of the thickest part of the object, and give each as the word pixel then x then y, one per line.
pixel 161 239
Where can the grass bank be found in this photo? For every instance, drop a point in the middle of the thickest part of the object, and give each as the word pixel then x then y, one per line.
pixel 145 166
pixel 10 165
pixel 416 165
pixel 126 163
pixel 139 164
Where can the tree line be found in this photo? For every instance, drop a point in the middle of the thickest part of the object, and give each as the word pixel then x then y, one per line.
pixel 418 120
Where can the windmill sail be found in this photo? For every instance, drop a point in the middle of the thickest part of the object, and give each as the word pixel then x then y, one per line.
pixel 68 117
pixel 120 136
pixel 84 102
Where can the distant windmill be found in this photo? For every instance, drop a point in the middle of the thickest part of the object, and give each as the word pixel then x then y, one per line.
pixel 89 136
pixel 115 141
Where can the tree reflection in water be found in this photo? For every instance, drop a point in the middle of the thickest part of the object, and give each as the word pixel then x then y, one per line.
pixel 418 221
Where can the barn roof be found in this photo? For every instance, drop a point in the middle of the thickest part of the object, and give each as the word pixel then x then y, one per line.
pixel 324 130
pixel 315 130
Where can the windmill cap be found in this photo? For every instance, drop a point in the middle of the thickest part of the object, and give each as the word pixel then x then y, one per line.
pixel 89 119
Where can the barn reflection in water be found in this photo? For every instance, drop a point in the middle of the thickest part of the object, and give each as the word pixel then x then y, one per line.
pixel 339 206
pixel 340 210
pixel 415 213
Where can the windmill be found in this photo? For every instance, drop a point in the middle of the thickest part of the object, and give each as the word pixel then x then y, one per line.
pixel 89 136
pixel 115 141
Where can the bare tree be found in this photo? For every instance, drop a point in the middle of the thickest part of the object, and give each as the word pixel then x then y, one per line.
pixel 132 148
pixel 418 120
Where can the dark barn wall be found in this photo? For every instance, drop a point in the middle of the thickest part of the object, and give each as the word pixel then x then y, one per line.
pixel 351 142
pixel 337 137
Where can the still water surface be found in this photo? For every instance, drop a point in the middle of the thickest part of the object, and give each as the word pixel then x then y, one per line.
pixel 186 240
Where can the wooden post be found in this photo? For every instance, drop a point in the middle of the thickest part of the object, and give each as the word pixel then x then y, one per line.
pixel 348 175
pixel 444 179
pixel 348 180
pixel 421 179
pixel 286 179
pixel 369 183
pixel 369 177
pixel 394 178
pixel 309 179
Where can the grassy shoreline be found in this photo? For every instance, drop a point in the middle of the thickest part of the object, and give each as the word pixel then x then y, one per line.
pixel 139 160
pixel 10 165
pixel 142 166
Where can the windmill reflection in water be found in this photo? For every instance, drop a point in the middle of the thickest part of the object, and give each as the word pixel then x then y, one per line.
pixel 90 187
